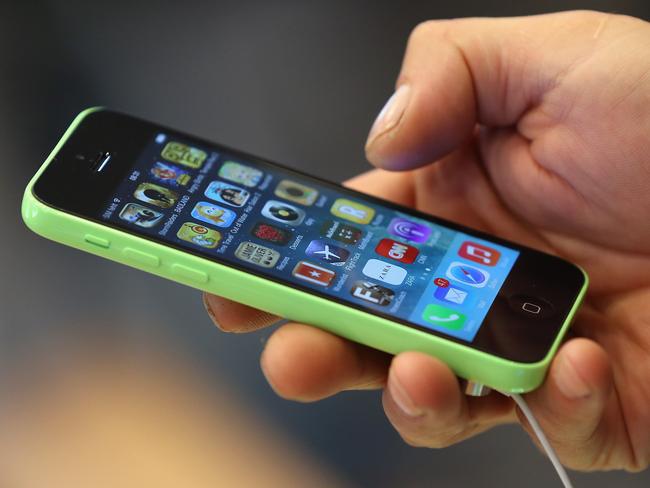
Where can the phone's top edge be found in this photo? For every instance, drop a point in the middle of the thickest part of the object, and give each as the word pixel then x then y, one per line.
pixel 64 138
pixel 584 274
pixel 83 114
pixel 28 195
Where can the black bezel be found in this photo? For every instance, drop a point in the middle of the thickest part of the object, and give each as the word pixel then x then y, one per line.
pixel 505 332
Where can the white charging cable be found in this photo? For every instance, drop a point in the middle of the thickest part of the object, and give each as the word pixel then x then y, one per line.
pixel 550 452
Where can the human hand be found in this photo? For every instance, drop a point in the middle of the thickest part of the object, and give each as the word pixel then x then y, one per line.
pixel 539 131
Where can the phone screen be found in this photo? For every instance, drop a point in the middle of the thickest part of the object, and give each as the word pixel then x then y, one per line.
pixel 313 235
pixel 298 230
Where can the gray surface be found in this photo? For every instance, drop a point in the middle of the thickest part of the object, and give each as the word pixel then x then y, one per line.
pixel 294 81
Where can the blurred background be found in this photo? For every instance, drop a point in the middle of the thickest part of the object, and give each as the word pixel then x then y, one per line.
pixel 112 377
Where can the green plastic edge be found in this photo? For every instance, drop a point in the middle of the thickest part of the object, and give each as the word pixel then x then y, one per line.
pixel 355 325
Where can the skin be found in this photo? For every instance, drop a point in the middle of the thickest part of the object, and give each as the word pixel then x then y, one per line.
pixel 535 129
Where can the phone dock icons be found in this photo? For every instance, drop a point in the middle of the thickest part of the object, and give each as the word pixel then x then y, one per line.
pixel 443 317
pixel 451 294
pixel 468 274
pixel 479 253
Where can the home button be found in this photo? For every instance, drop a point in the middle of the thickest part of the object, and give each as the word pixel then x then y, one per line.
pixel 531 306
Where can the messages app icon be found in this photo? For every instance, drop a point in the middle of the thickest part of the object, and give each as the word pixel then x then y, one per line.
pixel 443 317
pixel 451 294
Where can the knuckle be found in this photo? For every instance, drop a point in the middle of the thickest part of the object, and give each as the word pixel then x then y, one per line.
pixel 422 31
pixel 425 31
pixel 423 34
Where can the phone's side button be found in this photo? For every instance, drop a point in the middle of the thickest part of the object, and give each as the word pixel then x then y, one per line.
pixel 140 257
pixel 97 241
pixel 190 274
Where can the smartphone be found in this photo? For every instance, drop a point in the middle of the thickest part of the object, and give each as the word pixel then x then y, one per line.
pixel 262 234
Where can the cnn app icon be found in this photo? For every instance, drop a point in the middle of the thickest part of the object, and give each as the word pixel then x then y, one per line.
pixel 479 253
pixel 396 250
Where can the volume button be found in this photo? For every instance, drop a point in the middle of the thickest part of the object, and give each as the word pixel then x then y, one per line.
pixel 190 274
pixel 141 257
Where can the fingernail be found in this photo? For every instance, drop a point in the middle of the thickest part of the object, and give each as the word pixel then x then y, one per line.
pixel 569 381
pixel 390 115
pixel 402 399
pixel 208 309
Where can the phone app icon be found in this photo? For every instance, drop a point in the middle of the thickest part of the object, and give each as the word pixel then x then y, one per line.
pixel 479 253
pixel 295 192
pixel 443 317
pixel 329 253
pixel 384 272
pixel 353 211
pixel 409 230
pixel 189 156
pixel 372 292
pixel 213 214
pixel 170 175
pixel 257 254
pixel 397 251
pixel 468 274
pixel 199 234
pixel 220 191
pixel 271 233
pixel 156 195
pixel 283 212
pixel 313 273
pixel 451 294
pixel 240 173
pixel 140 215
pixel 341 232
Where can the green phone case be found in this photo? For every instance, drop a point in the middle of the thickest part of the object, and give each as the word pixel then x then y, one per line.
pixel 282 300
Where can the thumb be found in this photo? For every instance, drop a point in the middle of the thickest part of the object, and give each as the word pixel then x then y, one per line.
pixel 458 73
pixel 570 406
